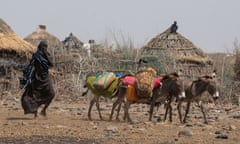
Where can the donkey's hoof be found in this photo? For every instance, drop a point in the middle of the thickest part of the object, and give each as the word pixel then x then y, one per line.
pixel 131 122
pixel 159 119
pixel 35 115
pixel 205 122
pixel 43 113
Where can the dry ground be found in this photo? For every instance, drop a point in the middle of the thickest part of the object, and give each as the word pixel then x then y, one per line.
pixel 67 123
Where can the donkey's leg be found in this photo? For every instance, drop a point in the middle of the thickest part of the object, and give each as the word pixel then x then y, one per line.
pixel 35 114
pixel 158 106
pixel 118 111
pixel 126 114
pixel 179 107
pixel 120 93
pixel 98 108
pixel 165 115
pixel 126 108
pixel 204 113
pixel 113 108
pixel 151 112
pixel 122 100
pixel 170 111
pixel 93 100
pixel 117 102
pixel 151 109
pixel 186 112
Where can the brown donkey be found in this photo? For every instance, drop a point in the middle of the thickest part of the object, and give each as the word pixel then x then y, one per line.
pixel 194 91
pixel 171 86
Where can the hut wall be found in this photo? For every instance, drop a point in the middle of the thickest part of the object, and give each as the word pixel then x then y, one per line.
pixel 191 71
pixel 167 61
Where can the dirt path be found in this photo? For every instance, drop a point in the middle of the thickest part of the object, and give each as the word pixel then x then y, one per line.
pixel 67 123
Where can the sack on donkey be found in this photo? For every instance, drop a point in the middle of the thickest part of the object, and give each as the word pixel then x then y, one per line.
pixel 106 92
pixel 104 80
pixel 145 82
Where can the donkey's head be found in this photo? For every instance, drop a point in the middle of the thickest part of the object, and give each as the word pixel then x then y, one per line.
pixel 211 84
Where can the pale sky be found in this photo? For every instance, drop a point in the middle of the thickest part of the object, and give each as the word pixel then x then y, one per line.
pixel 212 25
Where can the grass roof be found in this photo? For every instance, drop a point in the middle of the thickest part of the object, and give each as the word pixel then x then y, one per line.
pixel 9 41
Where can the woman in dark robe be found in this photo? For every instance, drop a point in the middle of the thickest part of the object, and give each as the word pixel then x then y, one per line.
pixel 40 89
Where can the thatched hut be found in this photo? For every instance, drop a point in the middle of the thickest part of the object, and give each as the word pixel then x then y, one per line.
pixel 14 51
pixel 171 52
pixel 72 42
pixel 41 34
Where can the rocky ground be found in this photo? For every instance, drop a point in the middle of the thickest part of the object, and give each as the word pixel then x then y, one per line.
pixel 67 122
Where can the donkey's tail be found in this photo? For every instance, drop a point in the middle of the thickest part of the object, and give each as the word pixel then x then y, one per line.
pixel 84 93
pixel 115 93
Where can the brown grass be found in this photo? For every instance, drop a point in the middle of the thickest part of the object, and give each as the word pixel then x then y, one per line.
pixel 9 41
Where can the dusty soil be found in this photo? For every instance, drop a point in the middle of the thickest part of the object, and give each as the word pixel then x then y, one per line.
pixel 67 122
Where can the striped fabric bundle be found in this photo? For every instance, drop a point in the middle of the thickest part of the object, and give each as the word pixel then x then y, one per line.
pixel 106 92
pixel 103 80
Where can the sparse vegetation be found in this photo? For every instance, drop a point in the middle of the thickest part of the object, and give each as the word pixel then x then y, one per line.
pixel 237 63
pixel 119 55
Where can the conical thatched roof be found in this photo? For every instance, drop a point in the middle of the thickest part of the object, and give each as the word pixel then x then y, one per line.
pixel 11 42
pixel 72 42
pixel 167 40
pixel 176 45
pixel 42 34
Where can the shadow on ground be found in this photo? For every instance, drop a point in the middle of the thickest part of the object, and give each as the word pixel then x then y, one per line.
pixel 47 140
pixel 19 118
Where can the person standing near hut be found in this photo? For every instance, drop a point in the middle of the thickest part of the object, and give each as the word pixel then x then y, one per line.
pixel 87 46
pixel 40 90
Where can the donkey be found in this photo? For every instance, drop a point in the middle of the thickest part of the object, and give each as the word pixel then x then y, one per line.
pixel 172 87
pixel 97 94
pixel 160 95
pixel 194 91
pixel 121 98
